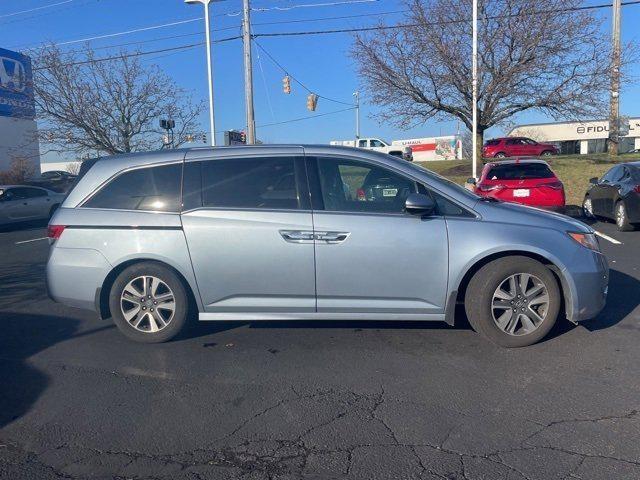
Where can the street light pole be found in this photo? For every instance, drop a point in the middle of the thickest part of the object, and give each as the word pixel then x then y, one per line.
pixel 212 123
pixel 614 113
pixel 474 80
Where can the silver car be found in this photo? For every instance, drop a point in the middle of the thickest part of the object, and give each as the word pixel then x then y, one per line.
pixel 312 232
pixel 21 203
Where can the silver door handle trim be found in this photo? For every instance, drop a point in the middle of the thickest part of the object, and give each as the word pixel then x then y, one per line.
pixel 297 236
pixel 332 237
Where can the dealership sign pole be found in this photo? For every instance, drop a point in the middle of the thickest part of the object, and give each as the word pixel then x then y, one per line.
pixel 474 80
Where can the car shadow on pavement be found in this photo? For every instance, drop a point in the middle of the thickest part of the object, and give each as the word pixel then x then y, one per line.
pixel 23 336
pixel 622 299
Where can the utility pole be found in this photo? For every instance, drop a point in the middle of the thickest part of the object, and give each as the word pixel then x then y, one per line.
pixel 357 97
pixel 248 73
pixel 474 86
pixel 614 113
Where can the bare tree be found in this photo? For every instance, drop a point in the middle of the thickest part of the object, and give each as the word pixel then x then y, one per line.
pixel 86 104
pixel 20 169
pixel 533 54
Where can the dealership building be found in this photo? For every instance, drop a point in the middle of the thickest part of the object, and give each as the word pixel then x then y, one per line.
pixel 18 130
pixel 580 137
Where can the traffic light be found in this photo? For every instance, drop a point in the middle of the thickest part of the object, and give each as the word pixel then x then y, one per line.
pixel 286 84
pixel 312 101
pixel 204 138
pixel 243 137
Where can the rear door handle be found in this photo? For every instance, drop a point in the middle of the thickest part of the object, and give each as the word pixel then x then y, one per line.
pixel 332 237
pixel 297 236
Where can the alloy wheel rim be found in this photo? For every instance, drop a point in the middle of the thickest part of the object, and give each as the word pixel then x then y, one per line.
pixel 620 215
pixel 520 304
pixel 147 304
pixel 588 207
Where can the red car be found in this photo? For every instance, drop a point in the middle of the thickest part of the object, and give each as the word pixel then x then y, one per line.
pixel 530 182
pixel 517 147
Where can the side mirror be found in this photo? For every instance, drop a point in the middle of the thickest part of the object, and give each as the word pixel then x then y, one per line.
pixel 593 180
pixel 419 204
pixel 471 180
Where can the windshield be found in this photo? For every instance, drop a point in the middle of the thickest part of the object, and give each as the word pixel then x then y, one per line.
pixel 519 171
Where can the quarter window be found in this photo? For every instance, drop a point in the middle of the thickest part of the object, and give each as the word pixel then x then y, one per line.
pixel 268 183
pixel 151 188
pixel 352 186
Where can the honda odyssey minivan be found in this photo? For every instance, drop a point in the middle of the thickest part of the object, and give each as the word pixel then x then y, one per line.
pixel 252 233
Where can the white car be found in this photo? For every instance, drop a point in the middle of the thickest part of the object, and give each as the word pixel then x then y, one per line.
pixel 21 203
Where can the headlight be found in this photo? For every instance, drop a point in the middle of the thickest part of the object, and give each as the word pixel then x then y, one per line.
pixel 588 240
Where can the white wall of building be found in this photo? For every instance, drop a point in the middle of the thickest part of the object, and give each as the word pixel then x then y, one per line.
pixel 582 132
pixel 18 138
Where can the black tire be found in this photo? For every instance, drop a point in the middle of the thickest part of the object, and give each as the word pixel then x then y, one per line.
pixel 500 155
pixel 621 217
pixel 144 334
pixel 480 294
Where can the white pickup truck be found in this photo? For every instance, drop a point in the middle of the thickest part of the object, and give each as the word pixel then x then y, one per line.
pixel 379 146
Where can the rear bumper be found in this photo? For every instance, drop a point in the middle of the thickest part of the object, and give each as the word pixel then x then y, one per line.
pixel 74 275
pixel 586 287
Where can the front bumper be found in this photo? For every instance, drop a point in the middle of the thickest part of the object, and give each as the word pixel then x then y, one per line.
pixel 586 287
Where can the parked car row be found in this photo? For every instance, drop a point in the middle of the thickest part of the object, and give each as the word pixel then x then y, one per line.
pixel 615 196
pixel 22 203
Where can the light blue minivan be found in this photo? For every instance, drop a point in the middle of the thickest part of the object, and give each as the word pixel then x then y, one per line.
pixel 311 232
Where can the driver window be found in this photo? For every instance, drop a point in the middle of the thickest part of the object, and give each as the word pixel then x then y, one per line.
pixel 362 143
pixel 353 186
pixel 376 143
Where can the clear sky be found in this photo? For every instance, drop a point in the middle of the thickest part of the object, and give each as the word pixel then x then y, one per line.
pixel 321 62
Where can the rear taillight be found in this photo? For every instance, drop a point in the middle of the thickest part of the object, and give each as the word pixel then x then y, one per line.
pixel 361 196
pixel 555 185
pixel 636 189
pixel 55 231
pixel 490 188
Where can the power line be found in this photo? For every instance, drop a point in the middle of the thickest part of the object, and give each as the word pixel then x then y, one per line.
pixel 139 54
pixel 281 67
pixel 309 117
pixel 447 22
pixel 227 14
pixel 13 14
pixel 238 26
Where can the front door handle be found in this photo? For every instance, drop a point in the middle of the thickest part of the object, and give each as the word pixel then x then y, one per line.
pixel 297 236
pixel 332 237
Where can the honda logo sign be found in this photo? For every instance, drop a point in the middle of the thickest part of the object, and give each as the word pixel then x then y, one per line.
pixel 16 88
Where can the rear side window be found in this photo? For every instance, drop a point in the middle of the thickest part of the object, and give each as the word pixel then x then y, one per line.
pixel 150 188
pixel 268 183
pixel 519 171
pixel 492 143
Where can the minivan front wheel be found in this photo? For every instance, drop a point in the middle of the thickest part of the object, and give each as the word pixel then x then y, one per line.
pixel 513 301
pixel 148 303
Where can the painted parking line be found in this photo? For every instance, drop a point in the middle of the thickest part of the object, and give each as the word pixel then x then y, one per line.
pixel 32 240
pixel 608 238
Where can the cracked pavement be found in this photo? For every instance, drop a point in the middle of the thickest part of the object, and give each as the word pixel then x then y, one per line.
pixel 313 400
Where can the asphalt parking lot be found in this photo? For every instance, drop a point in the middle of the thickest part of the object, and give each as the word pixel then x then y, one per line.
pixel 314 400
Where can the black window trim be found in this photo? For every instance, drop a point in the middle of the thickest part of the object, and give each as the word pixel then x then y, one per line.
pixel 301 177
pixel 113 177
pixel 317 203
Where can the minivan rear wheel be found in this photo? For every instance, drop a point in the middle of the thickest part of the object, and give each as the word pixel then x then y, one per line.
pixel 513 301
pixel 148 303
